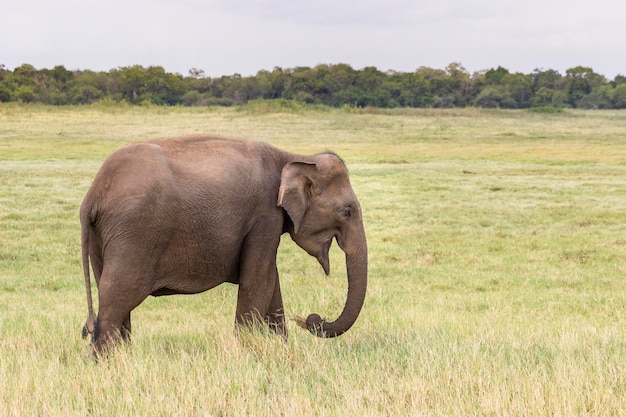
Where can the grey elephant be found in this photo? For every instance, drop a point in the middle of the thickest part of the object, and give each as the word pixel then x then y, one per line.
pixel 181 216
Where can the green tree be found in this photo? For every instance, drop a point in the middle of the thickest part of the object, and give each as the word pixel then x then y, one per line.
pixel 5 92
pixel 495 76
pixel 542 98
pixel 21 84
pixel 550 79
pixel 461 84
pixel 495 96
pixel 519 88
pixel 368 87
pixel 52 86
pixel 196 88
pixel 344 90
pixel 162 88
pixel 343 75
pixel 238 89
pixel 415 91
pixel 270 85
pixel 619 79
pixel 89 86
pixel 132 83
pixel 501 88
pixel 600 97
pixel 299 84
pixel 441 89
pixel 619 96
pixel 579 82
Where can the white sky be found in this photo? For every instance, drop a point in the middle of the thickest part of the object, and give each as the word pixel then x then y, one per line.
pixel 223 37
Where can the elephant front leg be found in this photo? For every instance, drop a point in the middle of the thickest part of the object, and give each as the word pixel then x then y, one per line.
pixel 259 300
pixel 275 317
pixel 254 298
pixel 125 332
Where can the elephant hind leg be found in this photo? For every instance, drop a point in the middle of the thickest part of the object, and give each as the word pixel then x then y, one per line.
pixel 113 324
pixel 110 331
pixel 125 282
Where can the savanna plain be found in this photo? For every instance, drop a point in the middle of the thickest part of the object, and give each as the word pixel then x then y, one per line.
pixel 497 282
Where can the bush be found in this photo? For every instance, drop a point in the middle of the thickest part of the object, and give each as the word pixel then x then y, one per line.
pixel 191 98
pixel 214 101
pixel 86 94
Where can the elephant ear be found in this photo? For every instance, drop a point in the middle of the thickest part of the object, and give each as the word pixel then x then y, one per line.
pixel 296 180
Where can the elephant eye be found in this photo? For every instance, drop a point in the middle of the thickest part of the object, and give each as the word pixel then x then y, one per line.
pixel 346 212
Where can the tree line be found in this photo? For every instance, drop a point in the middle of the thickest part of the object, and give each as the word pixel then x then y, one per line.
pixel 332 85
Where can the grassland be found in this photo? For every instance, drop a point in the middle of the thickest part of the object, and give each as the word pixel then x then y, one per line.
pixel 497 271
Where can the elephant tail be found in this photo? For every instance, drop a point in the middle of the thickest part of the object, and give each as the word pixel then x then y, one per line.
pixel 85 226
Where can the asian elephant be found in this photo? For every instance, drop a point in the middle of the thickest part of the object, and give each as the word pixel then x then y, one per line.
pixel 181 216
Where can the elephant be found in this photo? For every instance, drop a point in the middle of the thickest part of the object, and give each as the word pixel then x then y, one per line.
pixel 183 215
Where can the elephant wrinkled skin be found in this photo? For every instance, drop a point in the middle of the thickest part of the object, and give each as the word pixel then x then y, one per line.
pixel 181 216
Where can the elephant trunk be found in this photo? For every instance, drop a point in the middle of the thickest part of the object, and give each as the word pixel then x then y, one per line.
pixel 355 248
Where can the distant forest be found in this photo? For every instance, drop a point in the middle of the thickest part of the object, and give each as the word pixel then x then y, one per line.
pixel 332 85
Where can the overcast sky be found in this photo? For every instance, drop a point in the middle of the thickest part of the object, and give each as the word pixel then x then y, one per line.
pixel 224 37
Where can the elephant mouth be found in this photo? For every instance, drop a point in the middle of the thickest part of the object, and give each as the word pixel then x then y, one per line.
pixel 322 256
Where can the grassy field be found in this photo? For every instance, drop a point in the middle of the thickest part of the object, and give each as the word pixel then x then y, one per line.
pixel 497 271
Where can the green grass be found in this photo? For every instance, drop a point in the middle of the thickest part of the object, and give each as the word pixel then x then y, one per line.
pixel 497 271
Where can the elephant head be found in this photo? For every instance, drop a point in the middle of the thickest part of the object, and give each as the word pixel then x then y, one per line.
pixel 318 197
